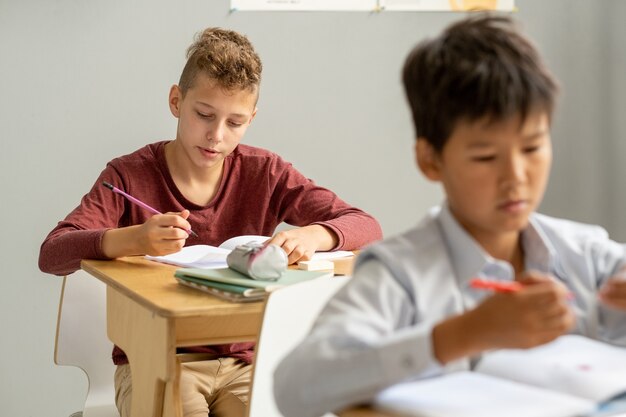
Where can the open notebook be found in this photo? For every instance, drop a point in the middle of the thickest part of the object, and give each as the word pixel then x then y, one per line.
pixel 210 257
pixel 572 376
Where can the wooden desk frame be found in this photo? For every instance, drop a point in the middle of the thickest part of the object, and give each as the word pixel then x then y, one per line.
pixel 149 315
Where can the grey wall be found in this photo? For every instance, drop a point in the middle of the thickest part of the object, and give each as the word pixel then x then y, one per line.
pixel 616 109
pixel 84 81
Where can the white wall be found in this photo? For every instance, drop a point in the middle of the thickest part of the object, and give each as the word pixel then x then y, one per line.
pixel 84 81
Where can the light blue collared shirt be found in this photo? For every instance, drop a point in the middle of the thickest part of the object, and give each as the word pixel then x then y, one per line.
pixel 377 330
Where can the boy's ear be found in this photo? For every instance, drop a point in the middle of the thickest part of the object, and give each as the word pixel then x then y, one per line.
pixel 427 159
pixel 175 99
pixel 253 114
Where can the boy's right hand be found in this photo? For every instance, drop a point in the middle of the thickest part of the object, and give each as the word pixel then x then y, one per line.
pixel 161 234
pixel 535 315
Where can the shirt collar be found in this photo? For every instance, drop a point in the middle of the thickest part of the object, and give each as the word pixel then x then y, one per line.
pixel 469 260
pixel 539 251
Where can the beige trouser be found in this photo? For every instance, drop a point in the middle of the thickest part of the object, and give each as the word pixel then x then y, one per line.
pixel 215 388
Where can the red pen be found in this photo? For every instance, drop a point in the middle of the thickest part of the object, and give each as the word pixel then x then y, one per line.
pixel 498 286
pixel 502 286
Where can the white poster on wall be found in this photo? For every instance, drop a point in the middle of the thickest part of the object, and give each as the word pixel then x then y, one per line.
pixel 304 5
pixel 446 5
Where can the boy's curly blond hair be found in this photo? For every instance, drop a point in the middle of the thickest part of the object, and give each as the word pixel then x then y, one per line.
pixel 224 56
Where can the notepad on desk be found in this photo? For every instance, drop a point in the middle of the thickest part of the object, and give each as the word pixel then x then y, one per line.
pixel 212 257
pixel 572 376
pixel 228 292
pixel 233 286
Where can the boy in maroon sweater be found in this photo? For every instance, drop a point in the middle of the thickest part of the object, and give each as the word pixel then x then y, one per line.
pixel 206 181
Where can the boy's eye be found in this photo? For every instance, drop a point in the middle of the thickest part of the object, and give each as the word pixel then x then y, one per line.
pixel 235 124
pixel 484 158
pixel 204 116
pixel 531 149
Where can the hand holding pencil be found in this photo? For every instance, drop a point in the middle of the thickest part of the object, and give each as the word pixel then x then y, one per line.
pixel 142 204
pixel 161 234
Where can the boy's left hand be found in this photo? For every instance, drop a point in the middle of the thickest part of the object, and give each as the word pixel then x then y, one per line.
pixel 301 243
pixel 613 292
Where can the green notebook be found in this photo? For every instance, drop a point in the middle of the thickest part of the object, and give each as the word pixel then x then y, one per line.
pixel 230 276
pixel 232 285
pixel 226 291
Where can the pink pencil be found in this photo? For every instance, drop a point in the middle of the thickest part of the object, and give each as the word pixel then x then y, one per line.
pixel 140 203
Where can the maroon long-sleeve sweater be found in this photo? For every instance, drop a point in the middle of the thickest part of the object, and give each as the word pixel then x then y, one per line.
pixel 258 191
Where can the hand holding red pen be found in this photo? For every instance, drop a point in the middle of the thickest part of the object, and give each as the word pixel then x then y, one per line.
pixel 524 314
pixel 535 312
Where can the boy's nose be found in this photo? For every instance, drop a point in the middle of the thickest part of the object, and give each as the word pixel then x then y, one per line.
pixel 216 133
pixel 514 171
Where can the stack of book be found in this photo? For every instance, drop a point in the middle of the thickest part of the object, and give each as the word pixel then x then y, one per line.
pixel 231 285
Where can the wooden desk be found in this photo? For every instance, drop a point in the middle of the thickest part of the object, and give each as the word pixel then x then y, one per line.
pixel 149 315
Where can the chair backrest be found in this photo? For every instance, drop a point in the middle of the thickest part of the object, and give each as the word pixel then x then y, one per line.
pixel 81 340
pixel 288 316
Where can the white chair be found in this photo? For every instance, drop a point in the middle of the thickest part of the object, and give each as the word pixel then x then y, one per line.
pixel 287 318
pixel 81 340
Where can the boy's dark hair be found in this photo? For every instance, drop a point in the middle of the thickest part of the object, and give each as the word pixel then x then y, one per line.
pixel 224 56
pixel 478 67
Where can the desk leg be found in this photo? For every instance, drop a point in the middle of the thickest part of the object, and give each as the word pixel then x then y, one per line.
pixel 149 343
